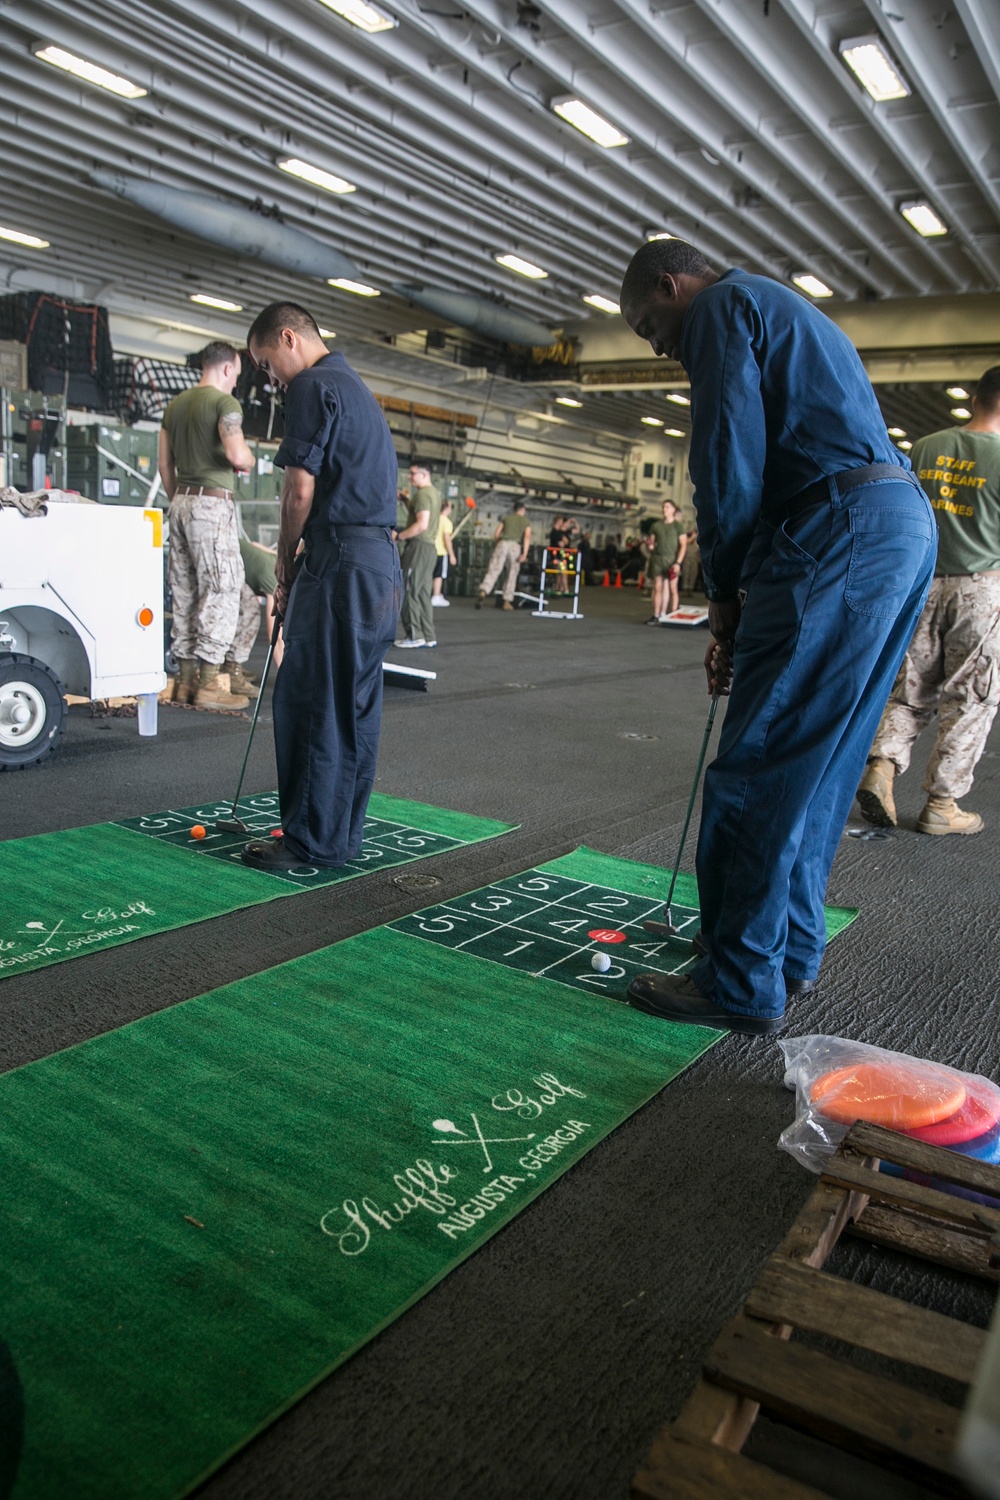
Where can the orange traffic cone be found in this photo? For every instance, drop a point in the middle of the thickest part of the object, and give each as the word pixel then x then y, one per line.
pixel 607 579
pixel 618 579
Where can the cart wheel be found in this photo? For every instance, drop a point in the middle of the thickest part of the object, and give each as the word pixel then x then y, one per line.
pixel 32 711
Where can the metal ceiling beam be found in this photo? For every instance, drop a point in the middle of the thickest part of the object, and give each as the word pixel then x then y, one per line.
pixel 923 64
pixel 983 31
pixel 799 93
pixel 816 27
pixel 673 96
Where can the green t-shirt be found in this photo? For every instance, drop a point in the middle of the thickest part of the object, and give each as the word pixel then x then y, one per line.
pixel 960 472
pixel 426 498
pixel 667 540
pixel 513 526
pixel 191 421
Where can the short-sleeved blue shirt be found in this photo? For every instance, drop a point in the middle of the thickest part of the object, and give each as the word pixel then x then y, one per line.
pixel 779 400
pixel 335 430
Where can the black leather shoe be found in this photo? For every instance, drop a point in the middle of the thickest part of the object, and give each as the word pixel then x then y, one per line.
pixel 270 855
pixel 793 987
pixel 675 997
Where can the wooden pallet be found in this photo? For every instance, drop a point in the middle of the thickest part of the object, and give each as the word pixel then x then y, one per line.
pixel 755 1365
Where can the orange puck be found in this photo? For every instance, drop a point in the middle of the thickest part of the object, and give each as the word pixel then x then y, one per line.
pixel 197 831
pixel 899 1095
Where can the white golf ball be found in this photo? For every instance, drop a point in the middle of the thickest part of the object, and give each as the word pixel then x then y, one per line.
pixel 601 962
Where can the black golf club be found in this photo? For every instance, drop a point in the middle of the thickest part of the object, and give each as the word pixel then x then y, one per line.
pixel 667 928
pixel 235 824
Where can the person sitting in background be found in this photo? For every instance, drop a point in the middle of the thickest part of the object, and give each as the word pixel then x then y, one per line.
pixel 445 555
pixel 512 538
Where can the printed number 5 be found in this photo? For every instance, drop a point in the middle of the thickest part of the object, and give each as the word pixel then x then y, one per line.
pixel 443 924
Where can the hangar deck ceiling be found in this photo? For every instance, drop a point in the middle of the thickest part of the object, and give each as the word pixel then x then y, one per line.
pixel 747 134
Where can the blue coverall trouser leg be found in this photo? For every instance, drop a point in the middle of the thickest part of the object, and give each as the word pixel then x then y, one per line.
pixel 328 693
pixel 832 599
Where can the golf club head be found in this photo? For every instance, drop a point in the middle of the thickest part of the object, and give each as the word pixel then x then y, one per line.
pixel 661 929
pixel 232 825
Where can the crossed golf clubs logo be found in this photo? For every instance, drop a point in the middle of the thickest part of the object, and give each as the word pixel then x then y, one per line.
pixel 450 1135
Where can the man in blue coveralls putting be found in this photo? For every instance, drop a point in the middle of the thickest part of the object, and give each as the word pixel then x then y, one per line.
pixel 818 547
pixel 339 598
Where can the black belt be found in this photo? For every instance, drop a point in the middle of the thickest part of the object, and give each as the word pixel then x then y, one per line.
pixel 336 530
pixel 847 480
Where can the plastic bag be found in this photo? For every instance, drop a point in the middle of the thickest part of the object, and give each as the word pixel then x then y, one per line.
pixel 837 1082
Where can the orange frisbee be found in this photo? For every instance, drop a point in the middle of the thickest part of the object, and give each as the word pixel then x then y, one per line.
pixel 899 1095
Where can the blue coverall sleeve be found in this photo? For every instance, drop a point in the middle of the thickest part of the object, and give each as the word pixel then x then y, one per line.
pixel 722 345
pixel 310 412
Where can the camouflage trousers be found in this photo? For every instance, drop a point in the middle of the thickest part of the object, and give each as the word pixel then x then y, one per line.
pixel 952 669
pixel 206 578
pixel 505 555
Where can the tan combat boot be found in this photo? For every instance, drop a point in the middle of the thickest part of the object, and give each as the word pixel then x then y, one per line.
pixel 186 681
pixel 505 605
pixel 943 815
pixel 875 793
pixel 211 695
pixel 239 682
pixel 479 599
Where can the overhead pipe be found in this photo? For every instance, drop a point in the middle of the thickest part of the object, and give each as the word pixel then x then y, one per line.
pixel 231 227
pixel 476 313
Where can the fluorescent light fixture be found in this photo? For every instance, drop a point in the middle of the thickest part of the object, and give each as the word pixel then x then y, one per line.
pixel 659 234
pixel 204 300
pixel 568 401
pixel 896 432
pixel 316 175
pixel 90 72
pixel 357 287
pixel 603 304
pixel 673 432
pixel 921 217
pixel 522 267
pixel 360 13
pixel 588 121
pixel 678 399
pixel 17 237
pixel 651 421
pixel 812 285
pixel 961 413
pixel 956 392
pixel 872 66
pixel 905 446
pixel 327 333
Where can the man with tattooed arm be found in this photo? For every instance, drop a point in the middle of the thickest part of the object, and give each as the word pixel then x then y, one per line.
pixel 201 444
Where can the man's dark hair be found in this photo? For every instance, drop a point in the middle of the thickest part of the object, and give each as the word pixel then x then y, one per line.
pixel 659 258
pixel 988 389
pixel 216 353
pixel 520 505
pixel 267 325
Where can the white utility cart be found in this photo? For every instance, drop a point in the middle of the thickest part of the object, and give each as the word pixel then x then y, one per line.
pixel 81 612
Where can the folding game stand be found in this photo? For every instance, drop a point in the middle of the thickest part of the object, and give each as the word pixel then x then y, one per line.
pixel 542 612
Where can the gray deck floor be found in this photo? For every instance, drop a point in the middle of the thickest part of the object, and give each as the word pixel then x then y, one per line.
pixel 543 1365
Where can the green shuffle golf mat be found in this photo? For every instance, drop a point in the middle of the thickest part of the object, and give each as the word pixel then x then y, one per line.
pixel 63 894
pixel 207 1211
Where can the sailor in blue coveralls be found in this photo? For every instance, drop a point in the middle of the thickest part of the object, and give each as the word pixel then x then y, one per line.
pixel 818 549
pixel 339 598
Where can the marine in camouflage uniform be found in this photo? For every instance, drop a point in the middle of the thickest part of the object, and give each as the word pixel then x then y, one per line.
pixel 952 665
pixel 201 442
